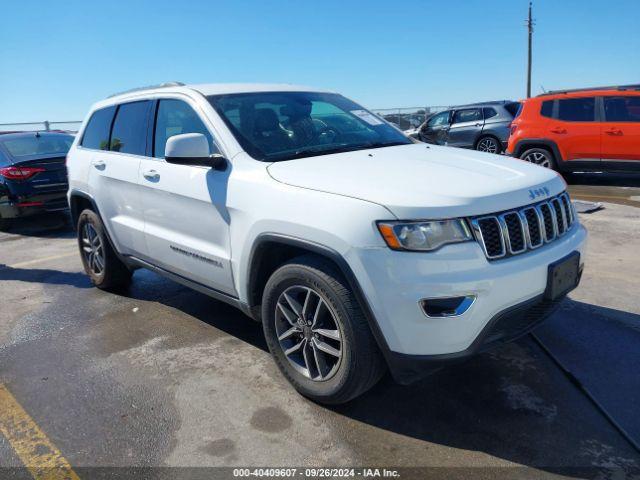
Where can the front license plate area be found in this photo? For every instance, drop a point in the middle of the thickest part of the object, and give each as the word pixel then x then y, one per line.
pixel 563 276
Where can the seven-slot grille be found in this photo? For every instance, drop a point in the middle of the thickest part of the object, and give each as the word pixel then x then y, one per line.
pixel 516 231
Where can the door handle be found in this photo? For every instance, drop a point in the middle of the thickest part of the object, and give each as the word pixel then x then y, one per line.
pixel 99 164
pixel 151 175
pixel 613 131
pixel 558 130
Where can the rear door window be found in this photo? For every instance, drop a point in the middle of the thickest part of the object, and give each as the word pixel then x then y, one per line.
pixel 129 133
pixel 469 115
pixel 577 109
pixel 622 109
pixel 96 134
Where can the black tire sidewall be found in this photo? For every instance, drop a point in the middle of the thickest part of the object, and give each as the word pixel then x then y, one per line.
pixel 547 153
pixel 494 140
pixel 88 216
pixel 291 275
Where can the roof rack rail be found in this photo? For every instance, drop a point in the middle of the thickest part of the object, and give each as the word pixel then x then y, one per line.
pixel 490 102
pixel 610 87
pixel 149 87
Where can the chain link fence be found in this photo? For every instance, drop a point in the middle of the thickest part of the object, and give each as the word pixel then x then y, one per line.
pixel 403 118
pixel 408 118
pixel 70 126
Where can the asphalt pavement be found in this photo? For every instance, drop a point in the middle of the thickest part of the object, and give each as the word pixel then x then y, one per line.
pixel 165 379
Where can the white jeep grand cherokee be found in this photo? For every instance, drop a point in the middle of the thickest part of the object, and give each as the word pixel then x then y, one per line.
pixel 356 248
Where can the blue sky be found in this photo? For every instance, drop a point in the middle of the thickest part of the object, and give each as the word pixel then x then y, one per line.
pixel 56 58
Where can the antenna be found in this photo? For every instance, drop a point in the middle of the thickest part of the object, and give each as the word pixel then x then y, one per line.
pixel 530 23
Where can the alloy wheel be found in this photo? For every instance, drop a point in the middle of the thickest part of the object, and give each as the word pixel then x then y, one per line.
pixel 488 145
pixel 92 248
pixel 538 158
pixel 308 333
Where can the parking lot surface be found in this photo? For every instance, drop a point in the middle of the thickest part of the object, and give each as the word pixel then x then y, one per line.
pixel 161 376
pixel 622 189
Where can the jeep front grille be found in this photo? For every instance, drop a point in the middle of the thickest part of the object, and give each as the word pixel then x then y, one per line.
pixel 527 228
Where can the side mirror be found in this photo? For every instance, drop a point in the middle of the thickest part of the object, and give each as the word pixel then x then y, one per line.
pixel 192 149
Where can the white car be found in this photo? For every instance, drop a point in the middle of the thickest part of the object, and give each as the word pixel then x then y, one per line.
pixel 356 248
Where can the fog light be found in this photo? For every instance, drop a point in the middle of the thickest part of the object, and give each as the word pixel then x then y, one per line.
pixel 446 306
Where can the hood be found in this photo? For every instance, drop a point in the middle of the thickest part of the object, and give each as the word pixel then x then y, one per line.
pixel 422 181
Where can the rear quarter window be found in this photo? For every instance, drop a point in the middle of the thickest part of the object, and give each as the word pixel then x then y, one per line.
pixel 489 112
pixel 96 133
pixel 547 108
pixel 513 108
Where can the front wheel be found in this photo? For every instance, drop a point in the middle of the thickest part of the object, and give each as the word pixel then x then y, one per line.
pixel 317 332
pixel 539 156
pixel 100 261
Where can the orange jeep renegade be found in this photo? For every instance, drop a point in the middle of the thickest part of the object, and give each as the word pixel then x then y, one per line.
pixel 577 130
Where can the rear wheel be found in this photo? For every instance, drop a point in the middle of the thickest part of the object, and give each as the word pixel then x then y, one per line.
pixel 489 145
pixel 539 156
pixel 100 261
pixel 317 333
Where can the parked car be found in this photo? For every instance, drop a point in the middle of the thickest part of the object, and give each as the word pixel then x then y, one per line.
pixel 33 177
pixel 583 129
pixel 356 248
pixel 481 126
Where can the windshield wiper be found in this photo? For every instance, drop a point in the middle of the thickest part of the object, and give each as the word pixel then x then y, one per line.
pixel 382 144
pixel 313 151
pixel 318 150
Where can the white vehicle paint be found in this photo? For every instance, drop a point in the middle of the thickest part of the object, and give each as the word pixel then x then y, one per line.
pixel 203 226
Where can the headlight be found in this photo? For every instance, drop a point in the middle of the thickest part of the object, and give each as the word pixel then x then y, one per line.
pixel 427 235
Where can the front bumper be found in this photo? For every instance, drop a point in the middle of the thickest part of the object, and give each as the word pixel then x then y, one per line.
pixel 393 283
pixel 506 326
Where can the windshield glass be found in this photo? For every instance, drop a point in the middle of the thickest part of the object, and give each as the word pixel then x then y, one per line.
pixel 45 145
pixel 274 126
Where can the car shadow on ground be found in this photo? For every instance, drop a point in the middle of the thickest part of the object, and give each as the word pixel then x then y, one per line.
pixel 148 286
pixel 44 275
pixel 512 403
pixel 605 179
pixel 46 225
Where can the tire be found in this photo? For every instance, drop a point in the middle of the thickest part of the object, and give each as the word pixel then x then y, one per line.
pixel 329 378
pixel 540 156
pixel 489 144
pixel 100 261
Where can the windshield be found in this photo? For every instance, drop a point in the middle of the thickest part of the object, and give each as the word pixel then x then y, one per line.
pixel 273 126
pixel 45 145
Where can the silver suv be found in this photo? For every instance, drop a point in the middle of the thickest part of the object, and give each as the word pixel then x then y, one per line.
pixel 481 126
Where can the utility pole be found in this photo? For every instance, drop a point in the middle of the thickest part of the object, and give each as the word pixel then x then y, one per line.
pixel 530 24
